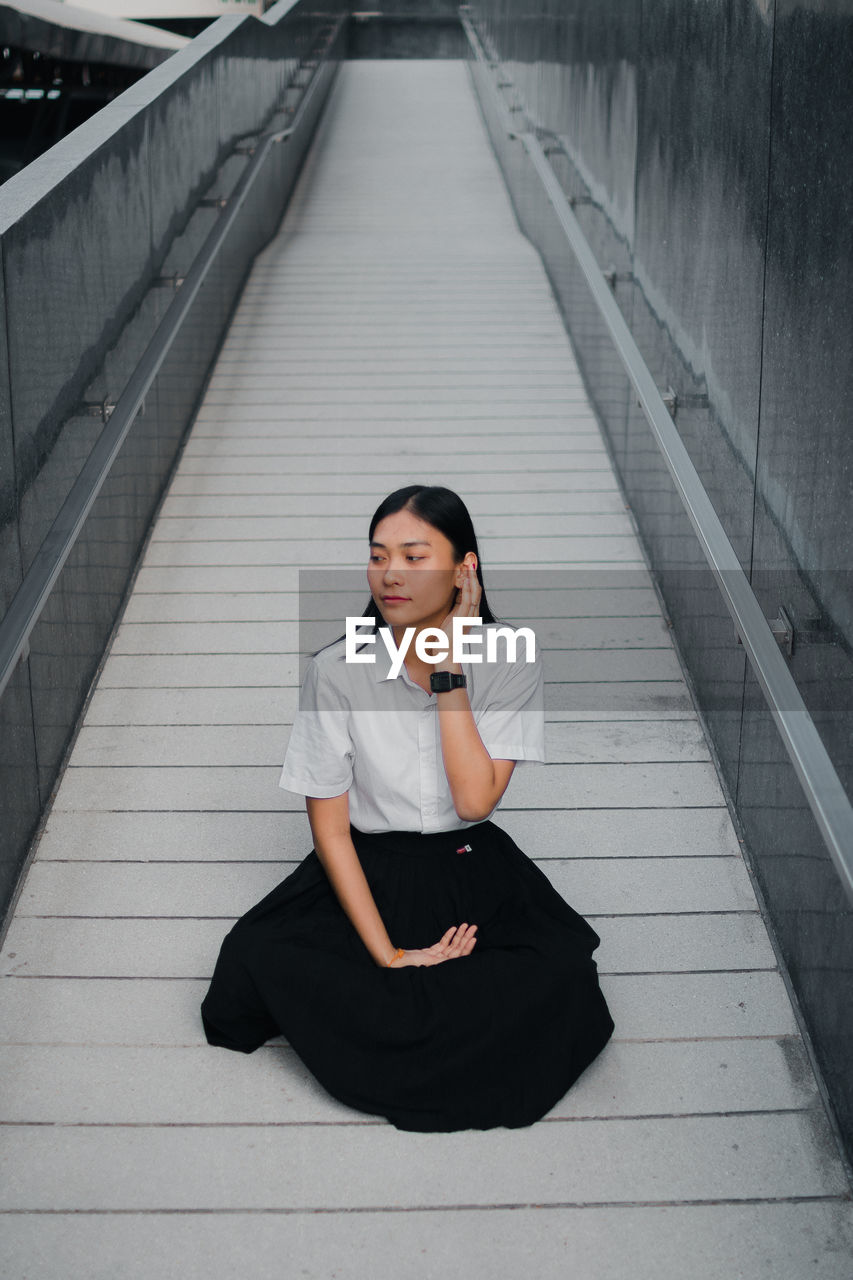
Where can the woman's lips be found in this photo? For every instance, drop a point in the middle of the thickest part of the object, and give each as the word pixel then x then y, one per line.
pixel 395 599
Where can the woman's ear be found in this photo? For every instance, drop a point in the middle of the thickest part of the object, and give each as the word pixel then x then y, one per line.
pixel 468 559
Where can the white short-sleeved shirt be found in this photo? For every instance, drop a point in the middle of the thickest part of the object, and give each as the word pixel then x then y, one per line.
pixel 378 738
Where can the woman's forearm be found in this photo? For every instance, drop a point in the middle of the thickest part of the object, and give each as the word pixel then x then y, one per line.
pixel 340 861
pixel 474 784
pixel 470 770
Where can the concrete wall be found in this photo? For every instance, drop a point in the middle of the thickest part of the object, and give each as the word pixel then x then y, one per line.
pixel 711 144
pixel 86 231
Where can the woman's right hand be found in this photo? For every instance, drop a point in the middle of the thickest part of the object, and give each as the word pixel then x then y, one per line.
pixel 458 941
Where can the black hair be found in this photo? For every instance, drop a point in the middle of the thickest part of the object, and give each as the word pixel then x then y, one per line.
pixel 445 511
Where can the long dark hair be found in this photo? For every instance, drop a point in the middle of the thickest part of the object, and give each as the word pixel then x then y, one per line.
pixel 445 511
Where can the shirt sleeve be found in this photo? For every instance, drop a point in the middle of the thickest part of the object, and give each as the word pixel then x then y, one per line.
pixel 512 724
pixel 318 760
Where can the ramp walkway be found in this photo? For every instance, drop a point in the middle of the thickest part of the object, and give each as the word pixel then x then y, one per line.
pixel 398 329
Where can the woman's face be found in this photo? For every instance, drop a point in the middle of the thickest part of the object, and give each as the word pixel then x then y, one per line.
pixel 411 572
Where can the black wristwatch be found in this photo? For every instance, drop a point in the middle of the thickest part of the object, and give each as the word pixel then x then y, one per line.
pixel 444 681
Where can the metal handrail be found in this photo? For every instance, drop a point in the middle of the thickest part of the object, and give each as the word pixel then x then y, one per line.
pixel 821 784
pixel 32 595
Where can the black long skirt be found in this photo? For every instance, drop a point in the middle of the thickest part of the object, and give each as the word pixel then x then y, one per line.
pixel 492 1038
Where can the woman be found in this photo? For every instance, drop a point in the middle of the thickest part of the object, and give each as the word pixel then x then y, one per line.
pixel 417 960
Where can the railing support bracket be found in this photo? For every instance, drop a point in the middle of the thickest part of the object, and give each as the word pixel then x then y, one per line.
pixel 614 277
pixel 782 628
pixel 98 408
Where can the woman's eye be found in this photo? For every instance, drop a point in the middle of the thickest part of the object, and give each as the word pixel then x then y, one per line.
pixel 377 559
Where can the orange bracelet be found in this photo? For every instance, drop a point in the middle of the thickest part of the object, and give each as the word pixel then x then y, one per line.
pixel 396 956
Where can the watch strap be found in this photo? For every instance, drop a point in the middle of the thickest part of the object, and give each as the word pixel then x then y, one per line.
pixel 444 681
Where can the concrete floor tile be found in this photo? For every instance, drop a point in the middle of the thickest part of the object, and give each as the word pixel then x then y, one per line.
pixel 179 745
pixel 572 786
pixel 284 528
pixel 606 549
pixel 699 1005
pixel 579 615
pixel 611 743
pixel 264 436
pixel 200 670
pixel 757 1242
pixel 269 607
pixel 539 487
pixel 621 833
pixel 542 834
pixel 236 787
pixel 253 579
pixel 198 837
pixel 619 700
pixel 308 1166
pixel 686 943
pixel 588 666
pixel 102 1011
pixel 183 670
pixel 202 706
pixel 217 579
pixel 207 789
pixel 67 1084
pixel 112 1011
pixel 206 638
pixel 624 742
pixel 568 502
pixel 96 948
pixel 187 948
pixel 210 888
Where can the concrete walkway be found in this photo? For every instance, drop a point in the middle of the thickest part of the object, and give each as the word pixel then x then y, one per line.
pixel 399 329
